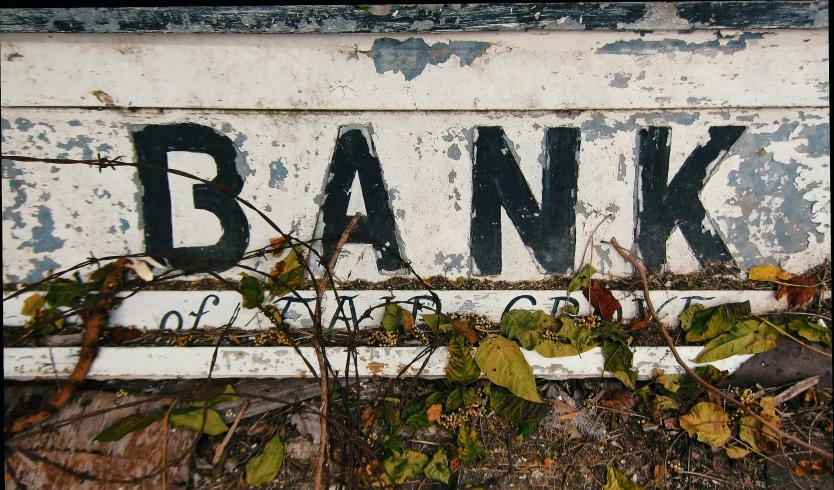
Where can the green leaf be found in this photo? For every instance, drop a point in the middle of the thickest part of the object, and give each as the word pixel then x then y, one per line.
pixel 462 396
pixel 125 426
pixel 252 291
pixel 219 398
pixel 516 323
pixel 390 413
pixel 804 327
pixel 444 324
pixel 583 279
pixel 664 403
pixel 504 364
pixel 617 480
pixel 581 338
pixel 526 428
pixel 392 444
pixel 554 348
pixel 404 466
pixel 391 317
pixel 67 294
pixel 288 274
pixel 438 467
pixel 462 368
pixel 712 322
pixel 511 407
pixel 685 387
pixel 469 447
pixel 710 374
pixel 688 315
pixel 414 412
pixel 611 331
pixel 618 361
pixel 748 337
pixel 264 467
pixel 192 419
pixel 32 305
pixel 708 421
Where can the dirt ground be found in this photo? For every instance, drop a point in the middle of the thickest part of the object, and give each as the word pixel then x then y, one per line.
pixel 612 428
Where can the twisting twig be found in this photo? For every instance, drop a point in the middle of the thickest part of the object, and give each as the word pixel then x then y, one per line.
pixel 317 337
pixel 220 447
pixel 628 258
pixel 94 320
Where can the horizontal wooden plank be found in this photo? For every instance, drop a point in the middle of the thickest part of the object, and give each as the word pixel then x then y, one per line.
pixel 550 70
pixel 322 19
pixel 23 363
pixel 175 310
pixel 765 196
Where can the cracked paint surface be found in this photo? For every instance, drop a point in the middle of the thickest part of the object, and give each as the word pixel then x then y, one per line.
pixel 769 198
pixel 546 70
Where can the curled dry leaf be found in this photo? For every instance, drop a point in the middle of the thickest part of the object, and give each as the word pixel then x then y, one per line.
pixel 141 266
pixel 602 299
pixel 277 244
pixel 640 324
pixel 802 293
pixel 433 413
pixel 805 468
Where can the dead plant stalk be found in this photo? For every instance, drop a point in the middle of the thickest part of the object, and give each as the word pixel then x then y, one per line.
pixel 320 287
pixel 628 258
pixel 94 320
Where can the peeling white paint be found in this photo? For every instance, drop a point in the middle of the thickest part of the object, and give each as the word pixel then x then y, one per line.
pixel 101 213
pixel 520 70
pixel 25 363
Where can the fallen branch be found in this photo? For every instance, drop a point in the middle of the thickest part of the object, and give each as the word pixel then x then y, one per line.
pixel 320 349
pixel 93 320
pixel 628 258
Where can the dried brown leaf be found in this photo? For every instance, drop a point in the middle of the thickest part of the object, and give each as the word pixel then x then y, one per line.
pixel 806 467
pixel 368 418
pixel 803 292
pixel 602 299
pixel 660 474
pixel 621 400
pixel 120 334
pixel 640 324
pixel 465 331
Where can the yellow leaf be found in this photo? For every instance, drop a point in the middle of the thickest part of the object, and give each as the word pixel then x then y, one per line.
pixel 737 452
pixel 709 422
pixel 32 305
pixel 768 273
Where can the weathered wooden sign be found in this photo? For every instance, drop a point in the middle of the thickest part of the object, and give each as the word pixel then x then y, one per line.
pixel 691 133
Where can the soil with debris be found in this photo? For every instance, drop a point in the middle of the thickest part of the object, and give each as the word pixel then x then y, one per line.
pixel 586 426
